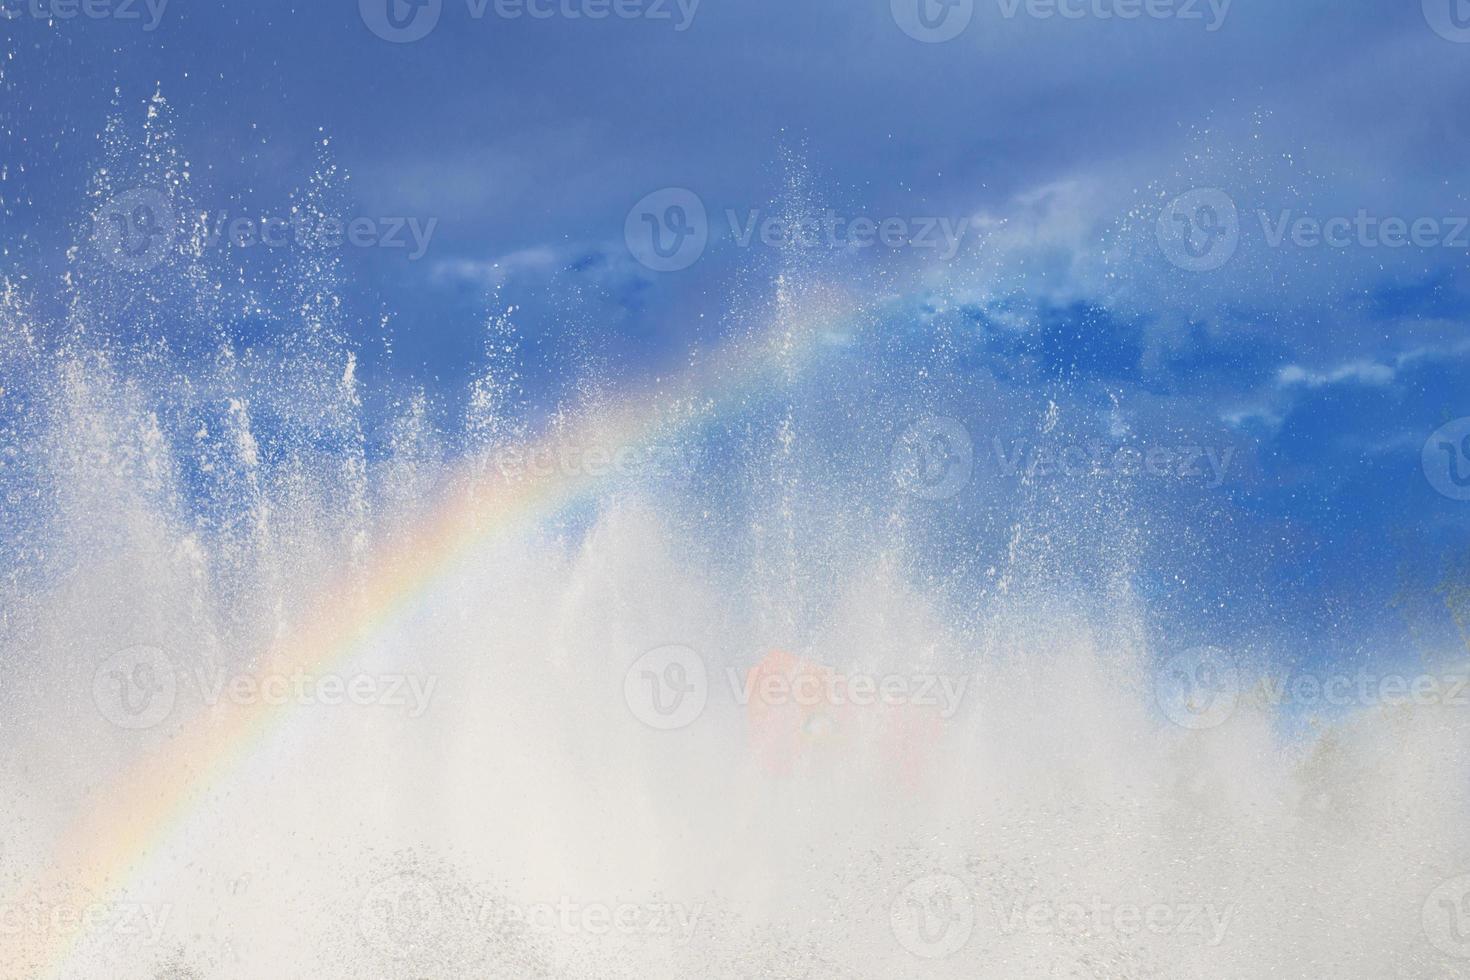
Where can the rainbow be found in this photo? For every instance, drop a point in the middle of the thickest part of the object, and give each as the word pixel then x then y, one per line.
pixel 130 818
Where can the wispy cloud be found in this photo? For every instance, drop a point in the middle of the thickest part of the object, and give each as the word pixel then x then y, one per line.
pixel 1355 372
pixel 603 264
pixel 492 273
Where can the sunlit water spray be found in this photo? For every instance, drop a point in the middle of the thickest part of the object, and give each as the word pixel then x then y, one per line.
pixel 751 671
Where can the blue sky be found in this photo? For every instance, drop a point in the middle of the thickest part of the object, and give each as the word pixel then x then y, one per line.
pixel 1056 139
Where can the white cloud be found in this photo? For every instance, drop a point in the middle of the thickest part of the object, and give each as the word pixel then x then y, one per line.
pixel 1355 372
pixel 540 260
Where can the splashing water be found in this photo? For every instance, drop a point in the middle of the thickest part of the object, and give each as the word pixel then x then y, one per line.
pixel 750 671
